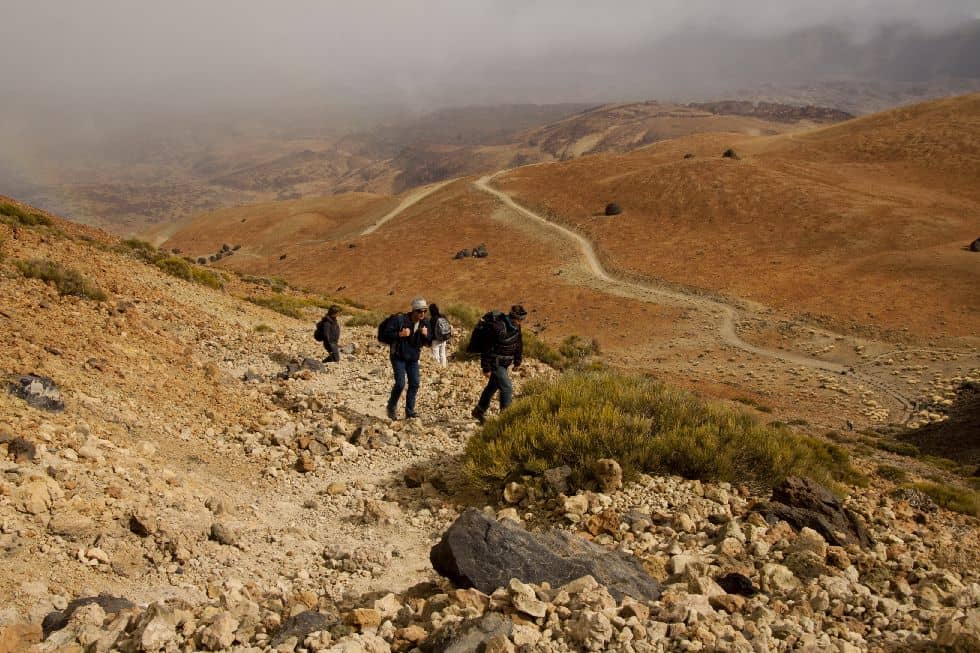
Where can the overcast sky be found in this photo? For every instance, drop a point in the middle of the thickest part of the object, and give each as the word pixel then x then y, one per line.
pixel 153 50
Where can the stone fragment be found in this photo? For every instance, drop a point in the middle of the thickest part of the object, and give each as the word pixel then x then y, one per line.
pixel 302 624
pixel 109 604
pixel 469 635
pixel 523 598
pixel 608 474
pixel 220 634
pixel 222 533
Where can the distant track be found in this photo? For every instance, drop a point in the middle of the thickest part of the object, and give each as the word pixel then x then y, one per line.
pixel 729 314
pixel 414 197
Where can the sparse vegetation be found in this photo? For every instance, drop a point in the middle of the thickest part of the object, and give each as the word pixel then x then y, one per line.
pixel 289 305
pixel 892 473
pixel 274 283
pixel 68 281
pixel 142 250
pixel 12 214
pixel 900 448
pixel 263 328
pixel 762 408
pixel 950 497
pixel 647 427
pixel 365 318
pixel 183 269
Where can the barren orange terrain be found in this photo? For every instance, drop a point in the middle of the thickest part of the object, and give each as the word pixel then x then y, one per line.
pixel 813 285
pixel 864 222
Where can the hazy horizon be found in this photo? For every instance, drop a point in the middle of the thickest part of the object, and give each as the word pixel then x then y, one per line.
pixel 188 56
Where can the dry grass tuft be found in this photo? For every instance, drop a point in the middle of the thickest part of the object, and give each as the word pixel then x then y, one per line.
pixel 68 281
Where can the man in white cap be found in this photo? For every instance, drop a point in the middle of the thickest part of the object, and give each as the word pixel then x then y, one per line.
pixel 407 334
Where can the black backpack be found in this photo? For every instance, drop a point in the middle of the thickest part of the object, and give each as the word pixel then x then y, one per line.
pixel 484 335
pixel 318 330
pixel 388 324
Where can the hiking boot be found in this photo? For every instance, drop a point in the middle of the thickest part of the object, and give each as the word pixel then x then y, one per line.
pixel 392 415
pixel 411 415
pixel 478 414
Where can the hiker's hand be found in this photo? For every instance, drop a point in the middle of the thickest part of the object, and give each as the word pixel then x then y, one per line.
pixel 425 332
pixel 405 332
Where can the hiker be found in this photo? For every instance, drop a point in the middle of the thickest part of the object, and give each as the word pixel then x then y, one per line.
pixel 328 331
pixel 505 347
pixel 406 334
pixel 442 331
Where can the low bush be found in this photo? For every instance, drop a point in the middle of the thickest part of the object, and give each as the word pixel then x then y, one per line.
pixel 950 497
pixel 141 250
pixel 262 328
pixel 647 427
pixel 900 448
pixel 12 214
pixel 68 281
pixel 892 473
pixel 285 304
pixel 181 268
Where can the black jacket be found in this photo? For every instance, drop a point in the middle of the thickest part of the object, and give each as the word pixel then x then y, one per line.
pixel 330 329
pixel 407 348
pixel 506 349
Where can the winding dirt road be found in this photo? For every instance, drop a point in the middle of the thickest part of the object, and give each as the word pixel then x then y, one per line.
pixel 651 293
pixel 414 197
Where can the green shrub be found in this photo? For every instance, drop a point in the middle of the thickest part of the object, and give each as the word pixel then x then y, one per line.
pixel 15 215
pixel 181 268
pixel 262 328
pixel 647 427
pixel 289 305
pixel 141 250
pixel 900 448
pixel 892 473
pixel 952 498
pixel 68 281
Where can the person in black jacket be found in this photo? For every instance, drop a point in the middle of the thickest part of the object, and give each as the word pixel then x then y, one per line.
pixel 507 349
pixel 330 329
pixel 408 334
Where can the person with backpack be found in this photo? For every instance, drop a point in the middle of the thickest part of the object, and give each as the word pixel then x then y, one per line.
pixel 442 331
pixel 500 342
pixel 328 332
pixel 405 334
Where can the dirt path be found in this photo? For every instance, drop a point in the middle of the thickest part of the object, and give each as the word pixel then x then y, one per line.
pixel 414 197
pixel 728 314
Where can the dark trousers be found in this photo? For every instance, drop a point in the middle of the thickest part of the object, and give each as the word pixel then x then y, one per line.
pixel 499 380
pixel 402 369
pixel 333 351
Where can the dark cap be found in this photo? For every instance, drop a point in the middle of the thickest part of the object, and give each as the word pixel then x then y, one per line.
pixel 333 310
pixel 517 312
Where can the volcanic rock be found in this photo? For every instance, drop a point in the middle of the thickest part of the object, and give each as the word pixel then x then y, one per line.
pixel 479 552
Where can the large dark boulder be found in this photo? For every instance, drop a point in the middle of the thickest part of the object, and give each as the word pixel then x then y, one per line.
pixel 480 251
pixel 55 621
pixel 480 552
pixel 730 154
pixel 613 209
pixel 975 245
pixel 803 502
